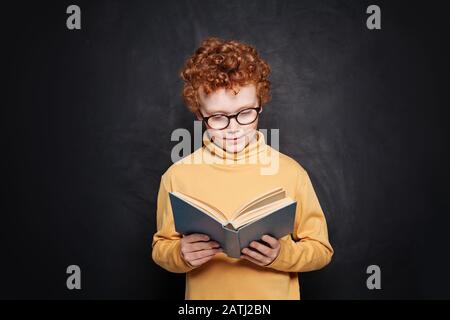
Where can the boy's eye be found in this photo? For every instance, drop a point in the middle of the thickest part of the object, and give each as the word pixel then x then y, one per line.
pixel 246 112
pixel 218 117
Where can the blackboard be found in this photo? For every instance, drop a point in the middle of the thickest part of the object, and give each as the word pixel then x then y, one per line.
pixel 89 114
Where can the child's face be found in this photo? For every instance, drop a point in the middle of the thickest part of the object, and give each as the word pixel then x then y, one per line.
pixel 227 102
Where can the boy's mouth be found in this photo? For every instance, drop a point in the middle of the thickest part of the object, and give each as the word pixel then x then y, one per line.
pixel 236 139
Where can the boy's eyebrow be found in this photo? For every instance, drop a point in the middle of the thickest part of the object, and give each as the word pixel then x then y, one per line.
pixel 241 108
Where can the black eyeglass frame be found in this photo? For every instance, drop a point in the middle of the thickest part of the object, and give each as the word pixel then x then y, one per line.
pixel 205 119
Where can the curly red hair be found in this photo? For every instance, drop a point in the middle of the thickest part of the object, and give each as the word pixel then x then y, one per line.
pixel 223 64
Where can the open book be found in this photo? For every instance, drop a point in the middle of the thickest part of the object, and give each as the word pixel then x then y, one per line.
pixel 270 213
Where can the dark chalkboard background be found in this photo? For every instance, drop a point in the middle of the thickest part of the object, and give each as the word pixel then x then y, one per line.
pixel 89 113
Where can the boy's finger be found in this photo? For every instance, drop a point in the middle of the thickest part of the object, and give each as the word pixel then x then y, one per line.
pixel 201 261
pixel 255 255
pixel 252 260
pixel 270 240
pixel 195 237
pixel 261 248
pixel 196 246
pixel 201 254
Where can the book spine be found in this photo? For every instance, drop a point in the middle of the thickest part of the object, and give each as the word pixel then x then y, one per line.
pixel 232 246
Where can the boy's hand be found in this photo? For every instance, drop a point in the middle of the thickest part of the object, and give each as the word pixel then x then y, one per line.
pixel 196 249
pixel 261 254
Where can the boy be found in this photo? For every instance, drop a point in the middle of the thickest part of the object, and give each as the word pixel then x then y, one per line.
pixel 226 87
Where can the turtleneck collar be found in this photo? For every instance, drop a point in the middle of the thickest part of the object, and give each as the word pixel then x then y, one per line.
pixel 249 154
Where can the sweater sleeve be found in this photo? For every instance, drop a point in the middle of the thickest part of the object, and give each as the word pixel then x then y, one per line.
pixel 308 248
pixel 166 242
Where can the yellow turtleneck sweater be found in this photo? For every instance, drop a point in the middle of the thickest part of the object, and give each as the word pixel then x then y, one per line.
pixel 227 181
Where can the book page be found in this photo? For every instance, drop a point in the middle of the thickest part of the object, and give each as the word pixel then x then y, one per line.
pixel 260 212
pixel 261 200
pixel 204 207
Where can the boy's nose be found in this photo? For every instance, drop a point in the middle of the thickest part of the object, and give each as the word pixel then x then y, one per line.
pixel 234 125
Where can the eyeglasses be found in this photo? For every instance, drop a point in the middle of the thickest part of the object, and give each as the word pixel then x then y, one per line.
pixel 243 117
